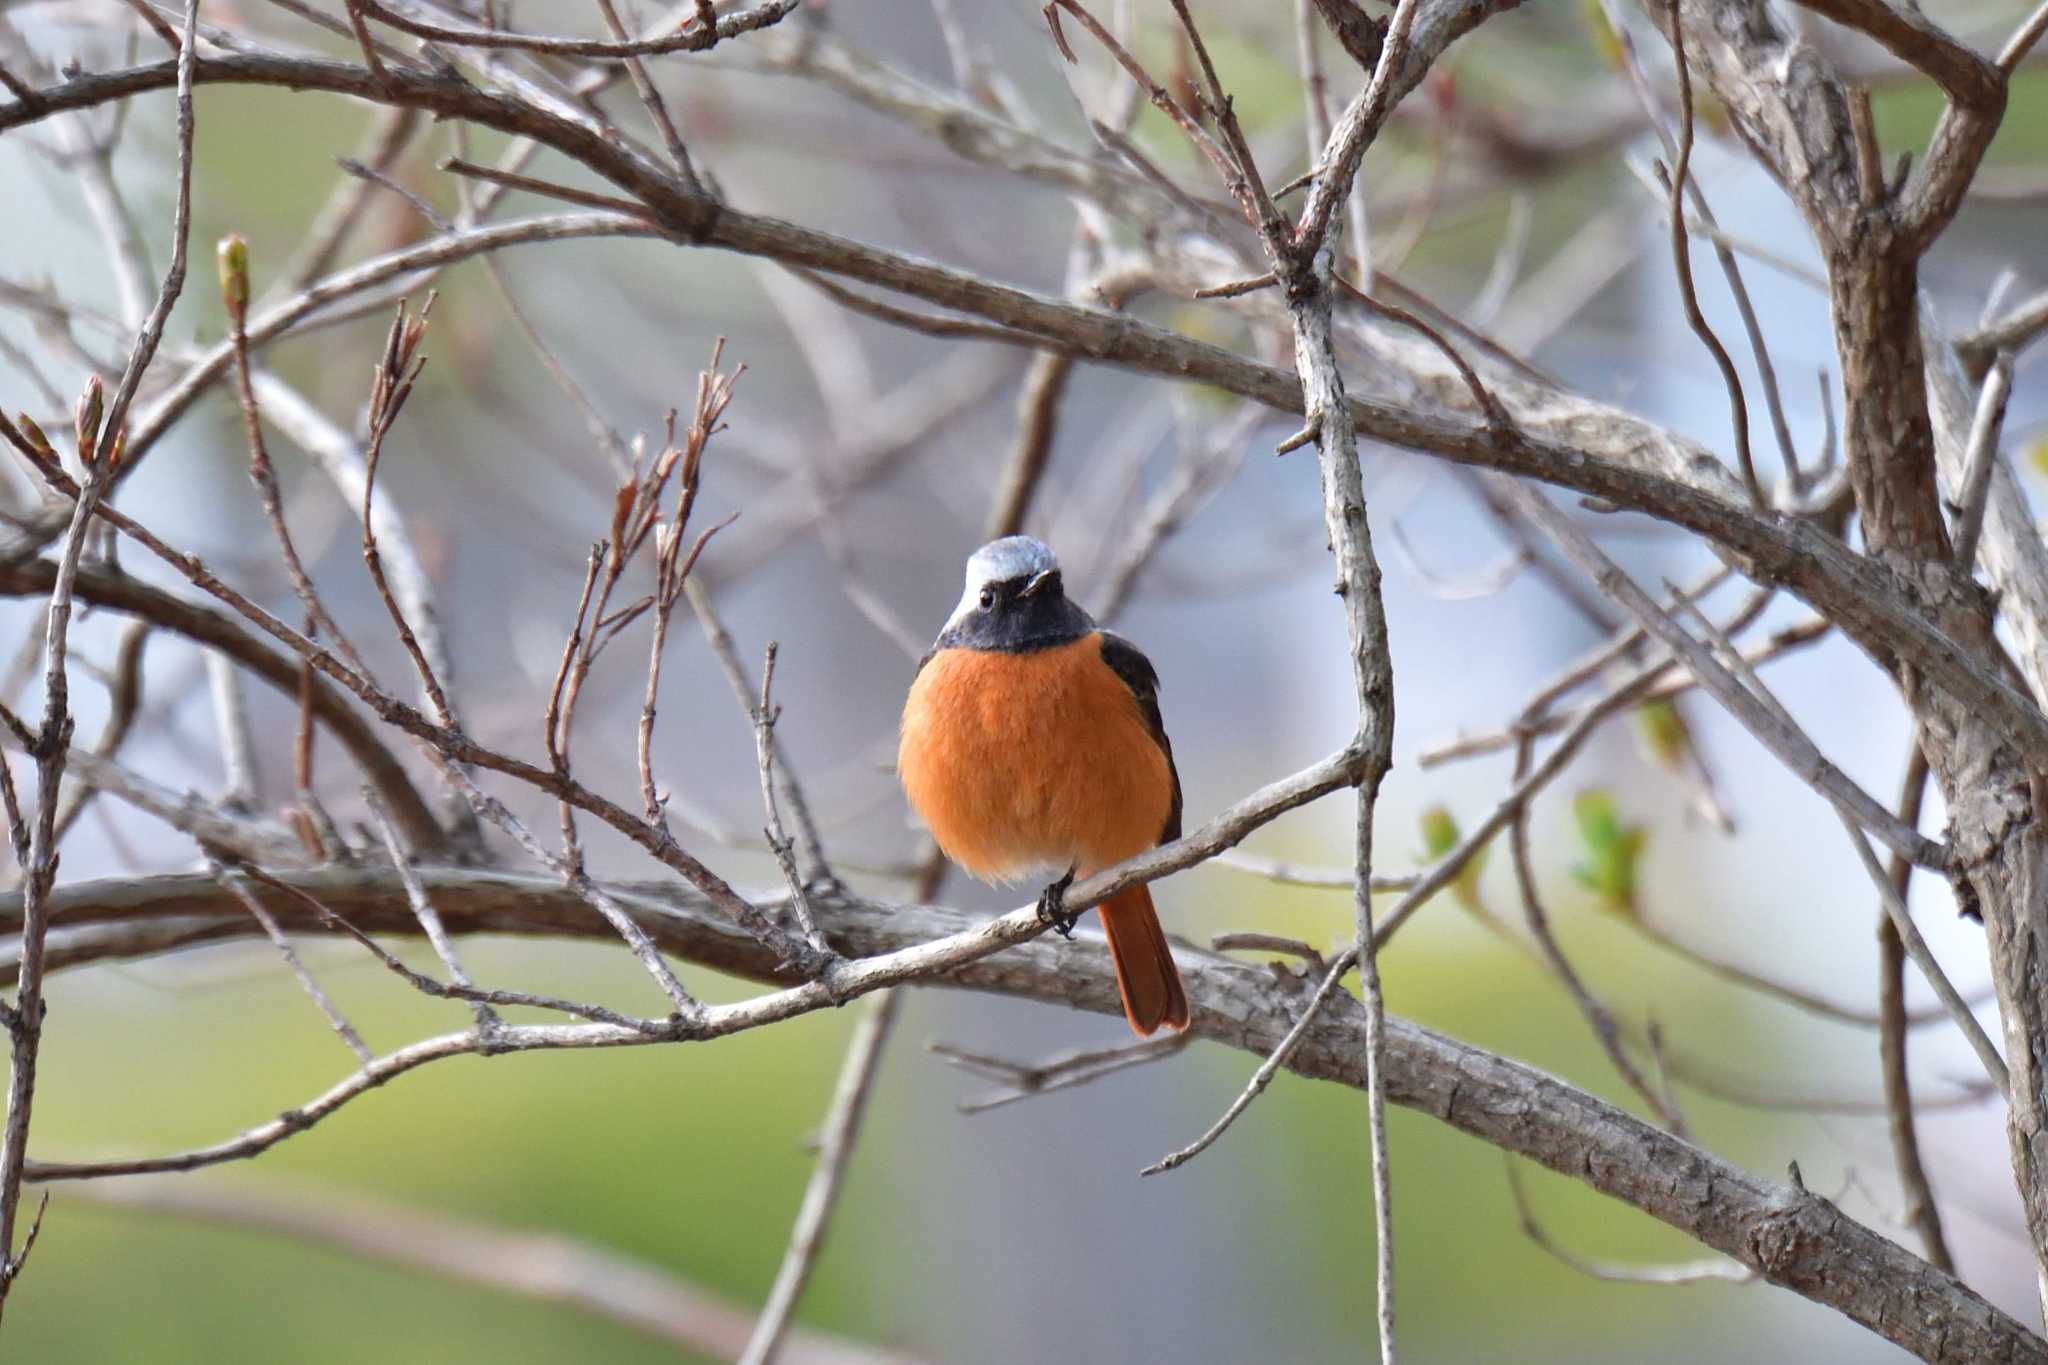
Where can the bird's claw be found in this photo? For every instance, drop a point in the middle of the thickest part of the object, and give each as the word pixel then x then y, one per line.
pixel 1052 906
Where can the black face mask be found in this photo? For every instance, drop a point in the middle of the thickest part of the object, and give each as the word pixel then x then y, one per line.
pixel 1018 615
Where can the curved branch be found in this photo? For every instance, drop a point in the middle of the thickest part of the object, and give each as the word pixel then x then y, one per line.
pixel 117 591
pixel 693 37
pixel 1786 1234
pixel 1909 35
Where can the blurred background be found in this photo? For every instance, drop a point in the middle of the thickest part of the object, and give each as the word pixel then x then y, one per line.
pixel 861 460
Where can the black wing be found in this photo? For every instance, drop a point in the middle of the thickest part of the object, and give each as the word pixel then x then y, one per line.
pixel 1128 663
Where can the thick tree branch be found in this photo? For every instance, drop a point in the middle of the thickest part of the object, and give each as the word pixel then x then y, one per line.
pixel 1969 80
pixel 1787 1235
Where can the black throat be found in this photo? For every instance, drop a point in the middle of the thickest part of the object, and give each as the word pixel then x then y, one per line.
pixel 1016 623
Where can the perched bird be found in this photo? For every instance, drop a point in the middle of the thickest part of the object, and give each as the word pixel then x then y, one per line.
pixel 1032 744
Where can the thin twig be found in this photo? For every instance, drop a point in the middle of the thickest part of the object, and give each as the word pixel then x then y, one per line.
pixel 1037 420
pixel 850 1098
pixel 53 741
pixel 766 713
pixel 810 849
pixel 1355 131
pixel 1263 1076
pixel 231 880
pixel 35 850
pixel 124 700
pixel 657 108
pixel 1597 1015
pixel 691 37
pixel 423 909
pixel 1064 1071
pixel 1296 874
pixel 1980 459
pixel 1162 98
pixel 235 287
pixel 1725 246
pixel 239 790
pixel 342 459
pixel 1923 958
pixel 568 194
pixel 1894 902
pixel 1246 186
pixel 1922 1213
pixel 1681 256
pixel 1715 1270
pixel 1490 408
pixel 391 382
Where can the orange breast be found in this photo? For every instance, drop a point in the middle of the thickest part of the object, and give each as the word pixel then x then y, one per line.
pixel 1035 762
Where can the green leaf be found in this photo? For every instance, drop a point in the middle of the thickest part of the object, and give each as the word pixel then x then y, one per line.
pixel 1440 835
pixel 1663 733
pixel 1612 851
pixel 1439 832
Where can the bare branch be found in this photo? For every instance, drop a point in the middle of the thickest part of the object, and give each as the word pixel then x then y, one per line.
pixel 1077 1066
pixel 391 382
pixel 2013 333
pixel 835 1150
pixel 650 96
pixel 231 879
pixel 766 713
pixel 722 649
pixel 423 910
pixel 1598 1017
pixel 1681 256
pixel 231 730
pixel 235 288
pixel 1981 459
pixel 1718 1269
pixel 1922 1214
pixel 550 1267
pixel 1969 80
pixel 691 37
pixel 1037 420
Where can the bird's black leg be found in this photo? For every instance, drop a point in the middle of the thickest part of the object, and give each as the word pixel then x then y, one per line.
pixel 1052 906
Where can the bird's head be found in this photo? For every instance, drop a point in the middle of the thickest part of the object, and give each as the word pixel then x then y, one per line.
pixel 1015 599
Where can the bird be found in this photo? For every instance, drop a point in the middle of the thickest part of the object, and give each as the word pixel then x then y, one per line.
pixel 1032 744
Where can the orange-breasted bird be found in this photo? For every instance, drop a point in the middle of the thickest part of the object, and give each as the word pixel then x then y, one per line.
pixel 1032 744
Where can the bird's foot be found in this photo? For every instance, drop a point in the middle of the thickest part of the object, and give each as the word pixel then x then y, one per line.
pixel 1052 906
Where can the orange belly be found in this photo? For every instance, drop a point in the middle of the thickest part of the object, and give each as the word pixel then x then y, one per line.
pixel 1034 762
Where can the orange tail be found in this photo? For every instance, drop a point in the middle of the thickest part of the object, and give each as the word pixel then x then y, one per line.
pixel 1145 973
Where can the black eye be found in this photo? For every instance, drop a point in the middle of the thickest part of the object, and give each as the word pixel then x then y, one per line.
pixel 988 598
